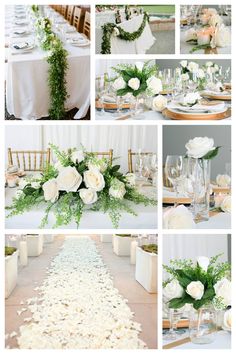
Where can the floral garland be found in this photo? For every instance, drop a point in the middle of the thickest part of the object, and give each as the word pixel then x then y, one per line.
pixel 110 29
pixel 58 65
pixel 79 180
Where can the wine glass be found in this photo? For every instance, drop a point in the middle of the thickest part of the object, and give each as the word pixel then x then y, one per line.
pixel 174 317
pixel 101 87
pixel 174 172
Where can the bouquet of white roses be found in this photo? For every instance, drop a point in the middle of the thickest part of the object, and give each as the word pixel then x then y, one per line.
pixel 201 283
pixel 137 79
pixel 77 181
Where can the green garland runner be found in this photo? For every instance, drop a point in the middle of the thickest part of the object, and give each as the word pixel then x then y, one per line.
pixel 108 29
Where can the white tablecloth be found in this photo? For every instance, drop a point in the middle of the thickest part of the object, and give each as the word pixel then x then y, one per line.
pixel 146 219
pixel 186 47
pixel 222 341
pixel 119 46
pixel 27 92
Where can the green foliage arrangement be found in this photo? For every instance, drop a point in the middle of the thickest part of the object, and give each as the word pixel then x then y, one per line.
pixel 79 181
pixel 110 29
pixel 9 250
pixel 123 235
pixel 151 248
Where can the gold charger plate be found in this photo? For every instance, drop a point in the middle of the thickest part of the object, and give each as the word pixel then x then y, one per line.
pixel 173 200
pixel 217 97
pixel 109 105
pixel 223 190
pixel 197 116
pixel 183 323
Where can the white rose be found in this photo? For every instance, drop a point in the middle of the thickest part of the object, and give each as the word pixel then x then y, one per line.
pixel 159 103
pixel 69 179
pixel 154 85
pixel 119 84
pixel 215 20
pixel 203 262
pixel 131 179
pixel 94 179
pixel 210 11
pixel 222 36
pixel 185 77
pixel 223 180
pixel 184 63
pixel 191 98
pixel 134 83
pixel 77 156
pixel 178 218
pixel 209 64
pixel 190 35
pixel 139 65
pixel 227 321
pixel 101 165
pixel 199 147
pixel 22 183
pixel 35 185
pixel 201 74
pixel 215 67
pixel 173 290
pixel 50 189
pixel 193 67
pixel 88 196
pixel 116 32
pixel 195 289
pixel 117 189
pixel 223 290
pixel 226 204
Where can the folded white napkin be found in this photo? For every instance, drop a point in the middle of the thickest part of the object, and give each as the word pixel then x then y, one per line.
pixel 197 107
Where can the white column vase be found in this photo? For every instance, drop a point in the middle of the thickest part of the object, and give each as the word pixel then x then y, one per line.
pixel 11 270
pixel 146 270
pixel 23 253
pixel 121 245
pixel 34 245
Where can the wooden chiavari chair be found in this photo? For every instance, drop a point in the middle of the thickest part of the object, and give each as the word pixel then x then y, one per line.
pixel 86 28
pixel 132 154
pixel 58 8
pixel 107 154
pixel 29 160
pixel 76 18
pixel 70 13
pixel 64 10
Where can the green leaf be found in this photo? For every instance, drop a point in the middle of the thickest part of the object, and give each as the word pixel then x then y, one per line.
pixel 211 154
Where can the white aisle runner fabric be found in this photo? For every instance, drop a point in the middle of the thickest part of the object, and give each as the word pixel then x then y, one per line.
pixel 78 306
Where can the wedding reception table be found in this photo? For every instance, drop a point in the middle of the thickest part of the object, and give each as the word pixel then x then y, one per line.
pixel 27 91
pixel 222 341
pixel 119 46
pixel 146 219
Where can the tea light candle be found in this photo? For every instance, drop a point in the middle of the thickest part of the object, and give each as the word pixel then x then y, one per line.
pixel 133 247
pixel 23 253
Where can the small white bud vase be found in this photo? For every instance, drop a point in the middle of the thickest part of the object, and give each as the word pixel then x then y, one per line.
pixel 202 325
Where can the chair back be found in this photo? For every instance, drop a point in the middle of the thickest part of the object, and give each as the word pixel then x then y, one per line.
pixel 107 154
pixel 86 28
pixel 29 160
pixel 70 13
pixel 64 10
pixel 132 154
pixel 76 18
pixel 58 8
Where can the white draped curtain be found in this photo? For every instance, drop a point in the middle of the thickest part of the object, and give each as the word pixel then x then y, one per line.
pixel 93 138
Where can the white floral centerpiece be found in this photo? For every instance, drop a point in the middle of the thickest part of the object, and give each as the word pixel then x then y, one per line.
pixel 79 180
pixel 190 69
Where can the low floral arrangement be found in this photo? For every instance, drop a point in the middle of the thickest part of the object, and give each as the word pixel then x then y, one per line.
pixel 58 65
pixel 9 250
pixel 151 248
pixel 137 79
pixel 79 180
pixel 205 282
pixel 189 69
pixel 213 34
pixel 112 29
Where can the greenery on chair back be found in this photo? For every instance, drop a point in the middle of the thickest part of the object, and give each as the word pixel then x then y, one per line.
pixel 9 250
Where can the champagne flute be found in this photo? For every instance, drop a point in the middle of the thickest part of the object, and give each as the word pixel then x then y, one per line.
pixel 174 317
pixel 174 172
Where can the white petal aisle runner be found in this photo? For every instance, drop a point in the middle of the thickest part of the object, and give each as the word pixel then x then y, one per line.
pixel 78 306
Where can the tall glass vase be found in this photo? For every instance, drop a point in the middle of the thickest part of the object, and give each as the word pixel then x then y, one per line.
pixel 201 189
pixel 202 326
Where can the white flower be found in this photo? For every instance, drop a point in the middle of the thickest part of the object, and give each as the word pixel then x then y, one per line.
pixel 173 290
pixel 94 179
pixel 159 103
pixel 227 321
pixel 195 289
pixel 178 218
pixel 58 166
pixel 193 67
pixel 203 262
pixel 210 11
pixel 184 63
pixel 200 74
pixel 119 84
pixel 35 185
pixel 69 179
pixel 191 98
pixel 134 83
pixel 23 183
pixel 117 189
pixel 88 196
pixel 209 64
pixel 215 20
pixel 139 65
pixel 130 178
pixel 185 77
pixel 116 32
pixel 100 165
pixel 190 35
pixel 226 204
pixel 222 36
pixel 199 147
pixel 77 156
pixel 50 189
pixel 223 291
pixel 19 193
pixel 223 180
pixel 154 85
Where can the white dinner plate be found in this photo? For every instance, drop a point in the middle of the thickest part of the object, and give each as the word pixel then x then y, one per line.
pixel 192 112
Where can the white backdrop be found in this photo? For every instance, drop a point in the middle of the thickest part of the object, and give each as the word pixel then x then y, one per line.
pixel 93 138
pixel 192 246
